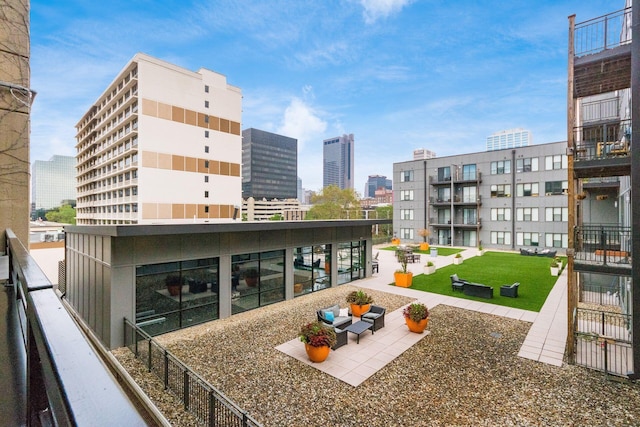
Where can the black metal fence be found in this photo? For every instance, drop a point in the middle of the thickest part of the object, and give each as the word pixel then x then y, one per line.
pixel 603 244
pixel 207 404
pixel 603 341
pixel 602 33
pixel 601 294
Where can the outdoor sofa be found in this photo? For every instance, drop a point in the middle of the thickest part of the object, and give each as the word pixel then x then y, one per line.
pixel 332 316
pixel 545 252
pixel 477 290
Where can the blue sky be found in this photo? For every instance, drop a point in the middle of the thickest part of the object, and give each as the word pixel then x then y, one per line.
pixel 398 74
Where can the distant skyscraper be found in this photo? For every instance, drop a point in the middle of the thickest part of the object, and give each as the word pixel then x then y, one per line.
pixel 338 161
pixel 300 190
pixel 510 138
pixel 53 181
pixel 269 165
pixel 423 153
pixel 375 182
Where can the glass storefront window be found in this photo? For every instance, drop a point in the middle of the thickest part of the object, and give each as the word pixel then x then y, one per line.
pixel 311 269
pixel 257 279
pixel 350 261
pixel 175 295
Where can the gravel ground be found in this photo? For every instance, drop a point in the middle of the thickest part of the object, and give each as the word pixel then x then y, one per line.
pixel 466 372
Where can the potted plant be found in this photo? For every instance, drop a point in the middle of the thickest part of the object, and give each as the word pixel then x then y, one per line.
pixel 480 250
pixel 424 233
pixel 318 340
pixel 360 302
pixel 403 277
pixel 429 268
pixel 416 316
pixel 174 284
pixel 554 267
pixel 251 277
pixel 457 259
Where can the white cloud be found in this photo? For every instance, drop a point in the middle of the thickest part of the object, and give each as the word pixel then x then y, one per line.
pixel 302 122
pixel 375 9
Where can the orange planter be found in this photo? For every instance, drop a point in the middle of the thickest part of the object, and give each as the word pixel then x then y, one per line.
pixel 424 246
pixel 403 280
pixel 359 310
pixel 395 241
pixel 317 354
pixel 417 327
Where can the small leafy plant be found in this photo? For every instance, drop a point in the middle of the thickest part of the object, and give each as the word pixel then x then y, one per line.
pixel 458 255
pixel 359 298
pixel 317 335
pixel 416 311
pixel 402 259
pixel 430 264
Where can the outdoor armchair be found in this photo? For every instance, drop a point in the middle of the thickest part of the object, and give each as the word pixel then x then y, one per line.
pixel 457 284
pixel 509 290
pixel 375 316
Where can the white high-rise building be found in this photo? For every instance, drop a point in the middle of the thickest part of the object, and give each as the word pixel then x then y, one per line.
pixel 510 138
pixel 161 144
pixel 423 153
pixel 338 161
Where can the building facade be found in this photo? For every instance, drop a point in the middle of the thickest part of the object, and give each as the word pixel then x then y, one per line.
pixel 52 182
pixel 375 182
pixel 161 144
pixel 504 199
pixel 264 210
pixel 269 165
pixel 603 299
pixel 172 276
pixel 511 138
pixel 338 154
pixel 16 98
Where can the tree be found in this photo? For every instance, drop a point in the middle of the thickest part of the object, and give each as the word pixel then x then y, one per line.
pixel 383 212
pixel 334 203
pixel 65 214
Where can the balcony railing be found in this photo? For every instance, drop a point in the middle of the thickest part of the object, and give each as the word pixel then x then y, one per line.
pixel 600 110
pixel 603 244
pixel 68 382
pixel 602 33
pixel 602 142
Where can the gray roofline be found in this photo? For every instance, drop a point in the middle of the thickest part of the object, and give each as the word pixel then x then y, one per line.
pixel 223 227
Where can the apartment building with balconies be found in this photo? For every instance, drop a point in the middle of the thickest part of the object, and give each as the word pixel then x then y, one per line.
pixel 161 144
pixel 503 199
pixel 603 301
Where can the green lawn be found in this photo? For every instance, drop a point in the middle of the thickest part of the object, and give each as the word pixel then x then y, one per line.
pixel 496 269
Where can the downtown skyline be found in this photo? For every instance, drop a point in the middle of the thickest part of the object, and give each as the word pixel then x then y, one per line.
pixel 398 74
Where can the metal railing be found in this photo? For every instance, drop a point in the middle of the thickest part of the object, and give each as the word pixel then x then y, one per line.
pixel 603 341
pixel 602 33
pixel 68 383
pixel 603 244
pixel 602 141
pixel 207 404
pixel 602 109
pixel 601 294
